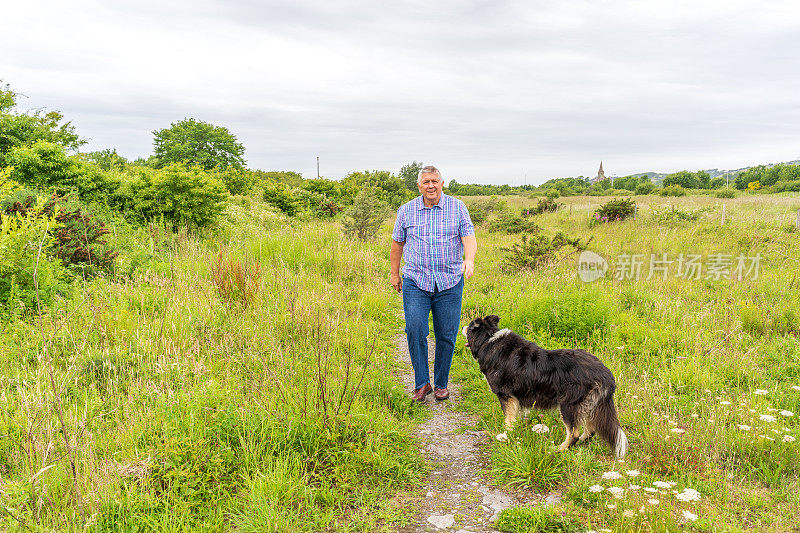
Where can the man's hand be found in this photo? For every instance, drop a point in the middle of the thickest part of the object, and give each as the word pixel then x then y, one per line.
pixel 396 281
pixel 467 268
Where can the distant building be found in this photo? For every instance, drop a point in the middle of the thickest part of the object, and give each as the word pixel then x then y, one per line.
pixel 601 176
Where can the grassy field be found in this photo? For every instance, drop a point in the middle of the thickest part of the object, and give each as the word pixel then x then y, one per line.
pixel 239 381
pixel 708 370
pixel 242 380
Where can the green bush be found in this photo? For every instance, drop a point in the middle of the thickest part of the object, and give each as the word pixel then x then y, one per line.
pixel 46 166
pixel 79 238
pixel 725 193
pixel 365 216
pixel 510 223
pixel 537 251
pixel 282 196
pixel 615 210
pixel 672 190
pixel 545 205
pixel 236 181
pixel 643 188
pixel 675 214
pixel 27 261
pixel 319 205
pixel 177 193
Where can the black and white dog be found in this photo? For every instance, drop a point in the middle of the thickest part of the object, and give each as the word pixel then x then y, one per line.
pixel 523 376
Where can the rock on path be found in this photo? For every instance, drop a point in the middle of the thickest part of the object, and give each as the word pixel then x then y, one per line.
pixel 456 496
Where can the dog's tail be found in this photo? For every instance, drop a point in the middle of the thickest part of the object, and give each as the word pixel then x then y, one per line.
pixel 606 423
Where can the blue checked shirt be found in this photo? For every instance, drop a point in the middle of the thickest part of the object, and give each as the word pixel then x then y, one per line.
pixel 433 252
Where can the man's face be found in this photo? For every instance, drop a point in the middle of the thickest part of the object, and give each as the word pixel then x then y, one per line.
pixel 430 187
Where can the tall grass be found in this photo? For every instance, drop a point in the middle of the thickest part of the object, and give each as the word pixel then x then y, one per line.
pixel 707 370
pixel 243 389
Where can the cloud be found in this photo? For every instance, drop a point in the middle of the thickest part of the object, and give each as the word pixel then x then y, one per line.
pixel 488 91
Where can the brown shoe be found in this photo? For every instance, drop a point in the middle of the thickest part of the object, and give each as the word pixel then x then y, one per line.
pixel 419 394
pixel 441 394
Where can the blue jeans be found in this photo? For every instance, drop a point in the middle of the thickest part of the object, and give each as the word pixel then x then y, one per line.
pixel 446 308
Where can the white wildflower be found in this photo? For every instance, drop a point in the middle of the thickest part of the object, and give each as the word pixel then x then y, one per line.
pixel 688 495
pixel 616 491
pixel 760 392
pixel 795 387
pixel 661 484
pixel 678 430
pixel 767 418
pixel 744 427
pixel 788 438
pixel 724 402
pixel 611 506
pixel 787 413
pixel 652 501
pixel 502 437
pixel 540 428
pixel 612 475
pixel 595 488
pixel 689 516
pixel 627 513
pixel 632 473
pixel 634 487
pixel 650 489
pixel 765 437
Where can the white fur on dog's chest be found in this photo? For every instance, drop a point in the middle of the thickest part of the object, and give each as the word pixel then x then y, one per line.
pixel 500 333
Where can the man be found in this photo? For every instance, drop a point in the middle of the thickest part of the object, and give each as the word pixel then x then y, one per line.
pixel 433 232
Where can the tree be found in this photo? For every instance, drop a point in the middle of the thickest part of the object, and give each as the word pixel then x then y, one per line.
pixel 197 143
pixel 409 174
pixel 23 129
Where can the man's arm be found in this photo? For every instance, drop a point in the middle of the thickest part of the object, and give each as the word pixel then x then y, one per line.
pixel 470 248
pixel 394 265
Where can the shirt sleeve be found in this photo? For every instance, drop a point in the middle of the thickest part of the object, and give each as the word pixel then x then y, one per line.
pixel 465 228
pixel 399 232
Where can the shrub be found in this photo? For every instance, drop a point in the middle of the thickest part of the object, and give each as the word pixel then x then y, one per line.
pixel 754 185
pixel 235 180
pixel 78 239
pixel 545 205
pixel 672 190
pixel 553 193
pixel 675 214
pixel 177 193
pixel 783 186
pixel 477 215
pixel 510 223
pixel 46 165
pixel 537 251
pixel 613 210
pixel 319 205
pixel 725 193
pixel 281 196
pixel 27 261
pixel 646 187
pixel 365 216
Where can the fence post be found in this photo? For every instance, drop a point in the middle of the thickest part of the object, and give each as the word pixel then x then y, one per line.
pixel 797 222
pixel 723 213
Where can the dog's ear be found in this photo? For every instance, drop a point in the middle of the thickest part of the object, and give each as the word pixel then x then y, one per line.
pixel 492 320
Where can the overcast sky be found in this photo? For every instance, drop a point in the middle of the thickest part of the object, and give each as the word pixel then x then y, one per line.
pixel 489 91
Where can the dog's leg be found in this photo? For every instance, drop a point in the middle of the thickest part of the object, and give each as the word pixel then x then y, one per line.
pixel 510 407
pixel 572 429
pixel 588 431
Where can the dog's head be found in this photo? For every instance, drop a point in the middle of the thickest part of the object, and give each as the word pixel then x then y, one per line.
pixel 479 331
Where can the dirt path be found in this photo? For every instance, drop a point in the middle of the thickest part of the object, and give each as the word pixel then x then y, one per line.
pixel 457 495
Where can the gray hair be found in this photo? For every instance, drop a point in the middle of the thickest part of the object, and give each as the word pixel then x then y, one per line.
pixel 430 169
